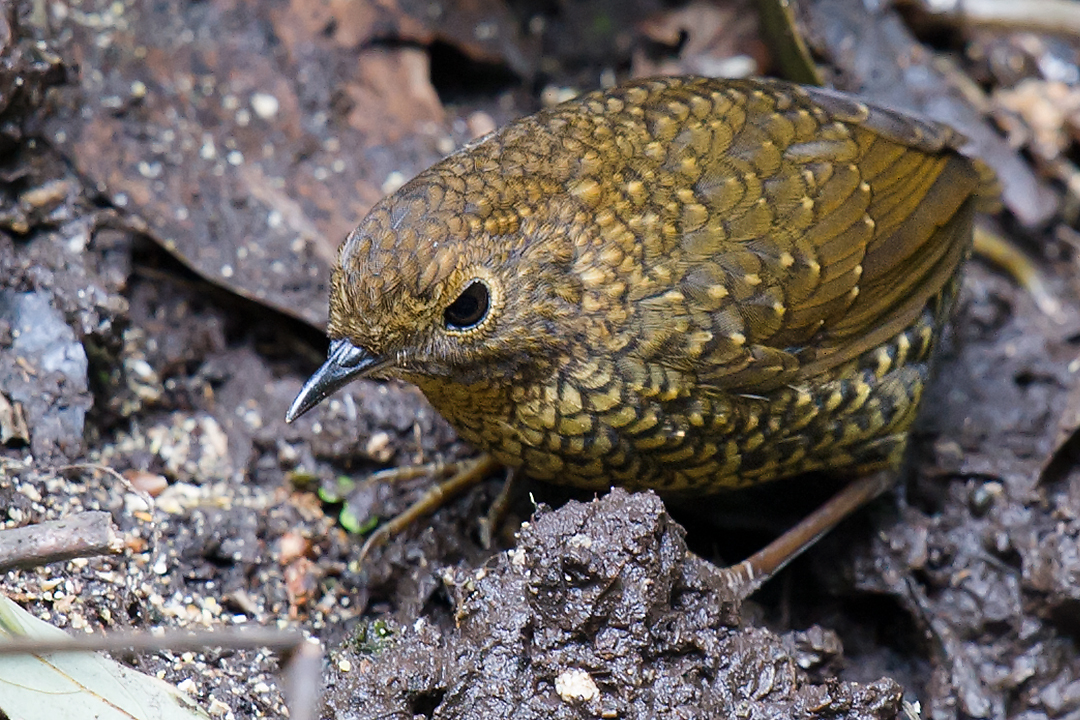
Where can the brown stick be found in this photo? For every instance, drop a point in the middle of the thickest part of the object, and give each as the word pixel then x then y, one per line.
pixel 84 534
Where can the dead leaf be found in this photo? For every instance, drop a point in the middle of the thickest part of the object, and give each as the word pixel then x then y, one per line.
pixel 79 685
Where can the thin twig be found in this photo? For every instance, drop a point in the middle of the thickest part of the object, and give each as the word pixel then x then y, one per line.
pixel 173 640
pixel 85 534
pixel 303 680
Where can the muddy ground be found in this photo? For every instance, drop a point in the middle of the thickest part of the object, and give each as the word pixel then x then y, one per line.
pixel 174 179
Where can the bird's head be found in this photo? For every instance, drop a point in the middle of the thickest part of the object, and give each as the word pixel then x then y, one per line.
pixel 452 279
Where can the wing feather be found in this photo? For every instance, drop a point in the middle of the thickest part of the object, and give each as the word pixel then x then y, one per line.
pixel 892 207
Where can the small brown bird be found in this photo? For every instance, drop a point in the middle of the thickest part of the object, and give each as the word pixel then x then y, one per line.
pixel 684 284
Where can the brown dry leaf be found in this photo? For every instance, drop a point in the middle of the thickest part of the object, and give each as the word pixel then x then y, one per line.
pixel 875 55
pixel 718 40
pixel 13 429
pixel 293 545
pixel 347 23
pixel 251 137
pixel 301 583
pixel 1048 112
pixel 393 85
pixel 153 484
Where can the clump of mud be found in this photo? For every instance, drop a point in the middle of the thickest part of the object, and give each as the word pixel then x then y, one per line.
pixel 599 612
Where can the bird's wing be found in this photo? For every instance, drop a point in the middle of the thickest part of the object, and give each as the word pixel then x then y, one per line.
pixel 827 227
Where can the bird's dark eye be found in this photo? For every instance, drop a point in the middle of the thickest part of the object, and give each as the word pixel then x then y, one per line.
pixel 469 309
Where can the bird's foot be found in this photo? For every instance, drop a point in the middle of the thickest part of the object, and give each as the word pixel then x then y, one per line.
pixel 496 514
pixel 463 475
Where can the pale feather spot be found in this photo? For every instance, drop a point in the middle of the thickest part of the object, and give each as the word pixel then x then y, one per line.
pixel 903 346
pixel 588 190
pixel 717 292
pixel 680 110
pixel 884 362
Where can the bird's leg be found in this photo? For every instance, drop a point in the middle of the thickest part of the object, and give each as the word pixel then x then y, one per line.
pixel 411 472
pixel 466 474
pixel 746 577
pixel 1004 253
pixel 496 514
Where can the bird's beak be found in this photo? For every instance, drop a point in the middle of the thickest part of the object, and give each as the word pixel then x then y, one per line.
pixel 344 363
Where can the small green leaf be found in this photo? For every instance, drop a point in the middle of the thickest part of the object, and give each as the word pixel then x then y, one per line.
pixel 373 637
pixel 349 521
pixel 353 524
pixel 342 488
pixel 301 479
